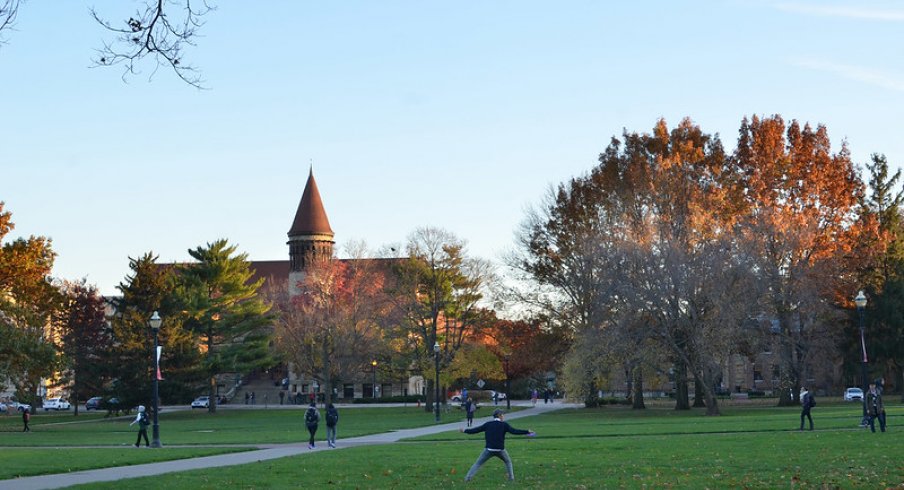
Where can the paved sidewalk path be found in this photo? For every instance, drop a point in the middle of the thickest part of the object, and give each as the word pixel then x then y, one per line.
pixel 271 452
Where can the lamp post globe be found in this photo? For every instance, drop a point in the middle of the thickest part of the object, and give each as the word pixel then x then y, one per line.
pixel 155 321
pixel 373 368
pixel 436 381
pixel 860 301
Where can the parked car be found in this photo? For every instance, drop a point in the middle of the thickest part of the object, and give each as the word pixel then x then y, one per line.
pixel 56 403
pixel 499 395
pixel 94 403
pixel 3 407
pixel 853 394
pixel 201 402
pixel 22 407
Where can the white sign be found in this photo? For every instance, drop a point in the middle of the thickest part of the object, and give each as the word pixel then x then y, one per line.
pixel 480 383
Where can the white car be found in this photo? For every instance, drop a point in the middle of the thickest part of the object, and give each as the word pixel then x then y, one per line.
pixel 22 407
pixel 201 402
pixel 852 394
pixel 56 404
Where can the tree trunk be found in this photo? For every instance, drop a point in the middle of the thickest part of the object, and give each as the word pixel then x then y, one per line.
pixel 698 392
pixel 681 396
pixel 712 404
pixel 327 381
pixel 638 388
pixel 428 398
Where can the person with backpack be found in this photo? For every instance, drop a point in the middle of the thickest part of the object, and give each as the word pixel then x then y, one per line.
pixel 875 408
pixel 807 401
pixel 311 419
pixel 142 420
pixel 332 418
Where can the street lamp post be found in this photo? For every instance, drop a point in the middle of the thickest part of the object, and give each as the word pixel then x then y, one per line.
pixel 155 323
pixel 373 368
pixel 860 301
pixel 436 381
pixel 508 388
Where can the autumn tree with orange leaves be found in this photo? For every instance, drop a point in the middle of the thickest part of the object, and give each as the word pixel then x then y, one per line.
pixel 800 216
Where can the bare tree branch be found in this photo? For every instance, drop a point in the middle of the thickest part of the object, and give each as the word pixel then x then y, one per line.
pixel 153 33
pixel 8 11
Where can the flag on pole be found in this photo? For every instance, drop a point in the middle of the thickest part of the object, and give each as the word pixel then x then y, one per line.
pixel 159 350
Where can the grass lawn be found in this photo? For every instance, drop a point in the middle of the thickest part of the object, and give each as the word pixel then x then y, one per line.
pixel 610 447
pixel 61 442
pixel 258 426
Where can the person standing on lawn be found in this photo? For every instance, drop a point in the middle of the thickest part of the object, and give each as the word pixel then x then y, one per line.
pixel 875 408
pixel 806 402
pixel 311 419
pixel 332 418
pixel 495 431
pixel 142 420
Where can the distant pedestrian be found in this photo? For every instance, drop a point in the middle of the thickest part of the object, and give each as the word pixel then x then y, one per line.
pixel 470 408
pixel 26 418
pixel 875 408
pixel 332 418
pixel 282 396
pixel 464 396
pixel 252 398
pixel 311 419
pixel 533 396
pixel 546 396
pixel 247 397
pixel 806 402
pixel 494 431
pixel 142 420
pixel 495 398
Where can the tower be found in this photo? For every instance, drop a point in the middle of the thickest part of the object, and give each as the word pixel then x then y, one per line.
pixel 310 238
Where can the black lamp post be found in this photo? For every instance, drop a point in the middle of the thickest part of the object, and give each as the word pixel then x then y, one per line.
pixel 508 388
pixel 155 322
pixel 436 381
pixel 860 301
pixel 373 368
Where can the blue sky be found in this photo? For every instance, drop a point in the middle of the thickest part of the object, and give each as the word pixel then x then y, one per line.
pixel 457 115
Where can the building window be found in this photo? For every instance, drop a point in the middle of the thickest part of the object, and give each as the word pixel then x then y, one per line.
pixel 348 390
pixel 386 389
pixel 367 390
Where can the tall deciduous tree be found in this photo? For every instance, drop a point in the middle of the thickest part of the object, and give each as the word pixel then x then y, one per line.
pixel 436 298
pixel 800 213
pixel 222 308
pixel 27 303
pixel 331 330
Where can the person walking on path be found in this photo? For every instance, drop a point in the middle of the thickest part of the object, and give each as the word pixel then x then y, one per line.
pixel 332 418
pixel 875 408
pixel 806 402
pixel 495 431
pixel 26 418
pixel 533 396
pixel 142 420
pixel 470 408
pixel 311 419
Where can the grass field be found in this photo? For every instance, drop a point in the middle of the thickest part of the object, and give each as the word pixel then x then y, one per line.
pixel 612 447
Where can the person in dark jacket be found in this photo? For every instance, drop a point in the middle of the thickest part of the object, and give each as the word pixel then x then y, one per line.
pixel 470 408
pixel 806 402
pixel 332 418
pixel 494 432
pixel 311 420
pixel 26 417
pixel 875 408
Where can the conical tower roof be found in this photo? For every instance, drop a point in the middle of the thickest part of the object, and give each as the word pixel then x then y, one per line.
pixel 310 219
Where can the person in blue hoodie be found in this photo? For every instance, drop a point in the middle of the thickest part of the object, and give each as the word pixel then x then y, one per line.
pixel 494 432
